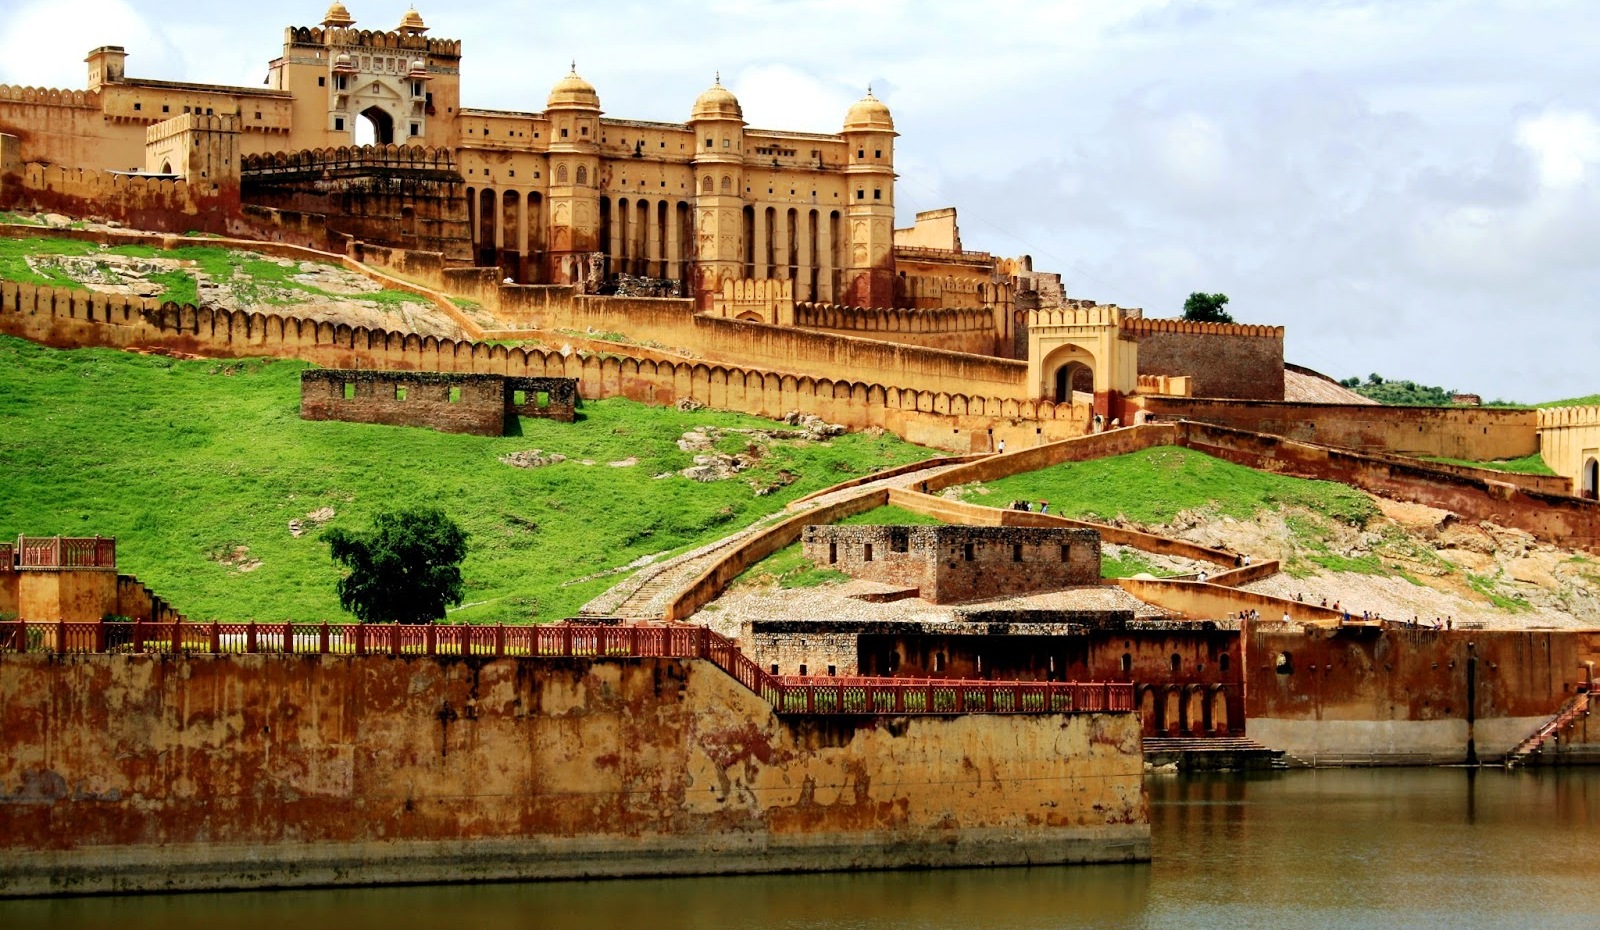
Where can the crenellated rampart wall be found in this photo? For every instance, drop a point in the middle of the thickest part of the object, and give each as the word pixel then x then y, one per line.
pixel 968 329
pixel 1226 360
pixel 963 422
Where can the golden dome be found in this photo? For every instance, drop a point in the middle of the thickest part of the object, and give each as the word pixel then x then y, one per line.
pixel 337 15
pixel 411 23
pixel 716 103
pixel 868 115
pixel 573 93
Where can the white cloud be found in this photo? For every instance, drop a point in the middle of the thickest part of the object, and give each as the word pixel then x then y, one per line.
pixel 1565 143
pixel 44 43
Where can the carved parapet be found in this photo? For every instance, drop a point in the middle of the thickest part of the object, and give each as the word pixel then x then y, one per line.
pixel 189 122
pixel 1078 313
pixel 1568 417
pixel 50 97
pixel 880 319
pixel 405 157
pixel 1138 327
pixel 371 38
pixel 769 300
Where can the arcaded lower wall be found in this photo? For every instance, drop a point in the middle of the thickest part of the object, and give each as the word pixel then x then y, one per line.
pixel 159 773
pixel 1402 696
pixel 1477 434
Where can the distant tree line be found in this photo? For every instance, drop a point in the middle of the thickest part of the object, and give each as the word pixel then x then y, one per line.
pixel 1399 393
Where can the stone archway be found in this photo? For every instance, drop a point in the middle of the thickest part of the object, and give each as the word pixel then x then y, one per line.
pixel 1150 711
pixel 1591 479
pixel 1219 710
pixel 1073 377
pixel 376 127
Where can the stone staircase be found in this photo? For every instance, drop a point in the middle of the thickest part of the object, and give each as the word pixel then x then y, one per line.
pixel 1531 747
pixel 1215 754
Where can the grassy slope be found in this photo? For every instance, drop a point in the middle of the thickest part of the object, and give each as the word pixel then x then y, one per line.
pixel 183 460
pixel 1527 465
pixel 247 271
pixel 1154 485
pixel 1593 400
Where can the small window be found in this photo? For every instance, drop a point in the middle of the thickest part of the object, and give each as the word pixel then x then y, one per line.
pixel 833 553
pixel 140 106
pixel 832 671
pixel 1016 552
pixel 349 390
pixel 1284 664
pixel 710 143
pixel 399 392
pixel 802 670
pixel 583 131
pixel 165 108
pixel 877 153
pixel 1127 662
pixel 1066 552
pixel 861 153
pixel 899 540
pixel 416 129
pixel 455 395
pixel 877 193
pixel 258 114
pixel 322 81
pixel 867 555
pixel 519 397
pixel 208 112
pixel 338 123
pixel 1177 662
pixel 1222 662
pixel 541 398
pixel 563 132
pixel 967 552
pixel 774 668
pixel 727 143
pixel 416 88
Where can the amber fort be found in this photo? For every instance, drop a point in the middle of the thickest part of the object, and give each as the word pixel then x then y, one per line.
pixel 567 254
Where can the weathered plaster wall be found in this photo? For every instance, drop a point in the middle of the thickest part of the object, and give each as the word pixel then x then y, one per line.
pixel 1401 696
pixel 162 773
pixel 1569 442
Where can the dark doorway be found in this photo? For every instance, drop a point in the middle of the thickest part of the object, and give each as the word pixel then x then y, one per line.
pixel 1591 479
pixel 1073 376
pixel 376 127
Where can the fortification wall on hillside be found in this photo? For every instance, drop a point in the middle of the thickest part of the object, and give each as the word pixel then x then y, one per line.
pixel 1475 433
pixel 1221 359
pixel 969 329
pixel 68 127
pixel 954 421
pixel 398 769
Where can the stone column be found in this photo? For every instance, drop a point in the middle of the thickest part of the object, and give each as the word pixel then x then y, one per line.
pixel 760 267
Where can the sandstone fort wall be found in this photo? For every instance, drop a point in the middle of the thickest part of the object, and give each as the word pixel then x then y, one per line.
pixel 959 422
pixel 1474 433
pixel 969 330
pixel 1221 359
pixel 169 773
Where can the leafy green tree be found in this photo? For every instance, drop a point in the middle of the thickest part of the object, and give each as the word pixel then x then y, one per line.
pixel 1206 308
pixel 406 569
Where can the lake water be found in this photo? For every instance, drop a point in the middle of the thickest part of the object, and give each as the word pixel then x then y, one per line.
pixel 1423 848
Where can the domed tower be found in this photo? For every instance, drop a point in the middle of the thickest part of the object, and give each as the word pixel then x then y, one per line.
pixel 869 136
pixel 573 112
pixel 338 17
pixel 411 24
pixel 717 123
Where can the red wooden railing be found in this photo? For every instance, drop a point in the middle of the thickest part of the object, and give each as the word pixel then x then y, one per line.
pixel 788 695
pixel 36 552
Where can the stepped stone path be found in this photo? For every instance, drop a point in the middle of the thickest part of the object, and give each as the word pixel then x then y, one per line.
pixel 646 595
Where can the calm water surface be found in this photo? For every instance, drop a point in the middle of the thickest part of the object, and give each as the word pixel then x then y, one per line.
pixel 1443 848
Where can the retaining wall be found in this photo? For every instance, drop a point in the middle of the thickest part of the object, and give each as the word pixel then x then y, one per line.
pixel 158 773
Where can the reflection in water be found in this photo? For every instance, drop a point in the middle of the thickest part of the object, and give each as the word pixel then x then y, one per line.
pixel 1445 848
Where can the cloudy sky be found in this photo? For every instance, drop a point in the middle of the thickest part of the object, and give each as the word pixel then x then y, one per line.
pixel 1412 188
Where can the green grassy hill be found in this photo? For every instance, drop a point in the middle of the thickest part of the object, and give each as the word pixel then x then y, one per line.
pixel 186 461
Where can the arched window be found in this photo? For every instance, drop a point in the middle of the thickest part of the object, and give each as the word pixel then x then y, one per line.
pixel 1222 663
pixel 708 186
pixel 583 175
pixel 1591 479
pixel 1177 662
pixel 727 184
pixel 1127 662
pixel 561 174
pixel 1284 664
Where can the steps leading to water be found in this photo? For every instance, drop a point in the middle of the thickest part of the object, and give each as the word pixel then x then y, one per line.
pixel 1213 754
pixel 1531 747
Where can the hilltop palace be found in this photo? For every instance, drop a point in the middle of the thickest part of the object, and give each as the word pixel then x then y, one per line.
pixel 675 234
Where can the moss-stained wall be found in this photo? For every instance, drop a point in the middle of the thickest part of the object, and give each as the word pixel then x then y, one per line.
pixel 146 772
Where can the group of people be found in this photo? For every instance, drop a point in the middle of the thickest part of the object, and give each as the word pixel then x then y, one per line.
pixel 1027 506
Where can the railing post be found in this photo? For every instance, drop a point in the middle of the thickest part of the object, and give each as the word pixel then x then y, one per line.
pixel 394 639
pixel 361 639
pixel 430 641
pixel 250 637
pixel 214 637
pixel 288 637
pixel 61 634
pixel 566 640
pixel 633 640
pixel 100 637
pixel 323 643
pixel 499 640
pixel 138 636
